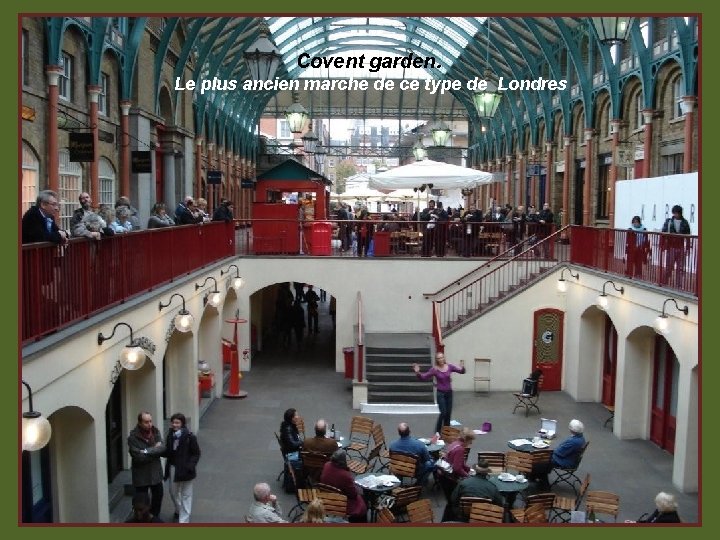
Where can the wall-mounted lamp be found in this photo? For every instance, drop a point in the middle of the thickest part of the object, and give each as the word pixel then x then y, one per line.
pixel 661 324
pixel 602 300
pixel 183 320
pixel 562 284
pixel 237 281
pixel 213 297
pixel 36 429
pixel 132 356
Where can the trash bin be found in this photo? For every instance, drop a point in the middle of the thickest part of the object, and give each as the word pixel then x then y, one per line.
pixel 320 233
pixel 382 243
pixel 349 354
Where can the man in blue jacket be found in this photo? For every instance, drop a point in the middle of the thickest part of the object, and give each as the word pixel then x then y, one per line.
pixel 411 445
pixel 566 455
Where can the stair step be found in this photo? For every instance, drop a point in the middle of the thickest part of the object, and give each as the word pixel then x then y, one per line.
pixel 400 386
pixel 394 366
pixel 396 350
pixel 399 397
pixel 400 360
pixel 399 376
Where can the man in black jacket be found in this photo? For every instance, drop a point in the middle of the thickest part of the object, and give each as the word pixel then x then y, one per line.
pixel 224 212
pixel 675 247
pixel 183 454
pixel 38 223
pixel 145 444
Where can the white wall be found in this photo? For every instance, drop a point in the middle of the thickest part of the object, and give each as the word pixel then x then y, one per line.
pixel 652 199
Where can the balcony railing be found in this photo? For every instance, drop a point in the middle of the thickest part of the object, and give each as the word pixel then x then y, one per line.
pixel 62 285
pixel 668 260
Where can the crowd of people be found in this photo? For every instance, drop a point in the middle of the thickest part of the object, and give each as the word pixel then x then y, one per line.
pixel 40 222
pixel 291 317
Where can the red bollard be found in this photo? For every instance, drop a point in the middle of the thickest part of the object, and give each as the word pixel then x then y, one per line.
pixel 233 390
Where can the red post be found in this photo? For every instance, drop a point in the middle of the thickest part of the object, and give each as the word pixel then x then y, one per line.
pixel 233 390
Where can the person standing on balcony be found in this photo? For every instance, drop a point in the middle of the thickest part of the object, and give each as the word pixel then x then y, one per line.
pixel 132 212
pixel 79 213
pixel 145 445
pixel 637 247
pixel 224 212
pixel 183 454
pixel 545 220
pixel 674 247
pixel 184 212
pixel 159 217
pixel 38 223
pixel 441 371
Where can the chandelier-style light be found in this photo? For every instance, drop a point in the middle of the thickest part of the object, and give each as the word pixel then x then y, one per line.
pixel 487 101
pixel 263 57
pixel 296 115
pixel 419 150
pixel 441 133
pixel 611 30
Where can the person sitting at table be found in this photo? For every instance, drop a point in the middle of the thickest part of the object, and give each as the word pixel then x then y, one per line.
pixel 335 473
pixel 472 486
pixel 411 445
pixel 314 513
pixel 565 456
pixel 455 456
pixel 320 443
pixel 665 510
pixel 290 439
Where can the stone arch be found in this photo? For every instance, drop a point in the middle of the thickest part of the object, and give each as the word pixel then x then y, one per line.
pixel 668 74
pixel 634 391
pixel 632 92
pixel 603 115
pixel 589 353
pixel 165 106
pixel 73 450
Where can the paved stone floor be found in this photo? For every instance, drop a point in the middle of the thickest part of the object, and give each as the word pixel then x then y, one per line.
pixel 239 448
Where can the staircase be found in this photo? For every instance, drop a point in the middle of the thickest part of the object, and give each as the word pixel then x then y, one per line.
pixel 498 285
pixel 391 382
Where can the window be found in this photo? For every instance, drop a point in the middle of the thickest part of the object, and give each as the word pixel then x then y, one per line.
pixel 639 121
pixel 284 129
pixel 103 97
pixel 603 199
pixel 677 95
pixel 66 78
pixel 25 60
pixel 70 185
pixel 645 31
pixel 30 172
pixel 106 175
pixel 671 164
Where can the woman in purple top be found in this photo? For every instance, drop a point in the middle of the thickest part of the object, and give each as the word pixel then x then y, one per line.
pixel 441 371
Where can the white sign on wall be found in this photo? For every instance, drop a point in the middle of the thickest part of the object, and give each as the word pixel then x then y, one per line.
pixel 653 198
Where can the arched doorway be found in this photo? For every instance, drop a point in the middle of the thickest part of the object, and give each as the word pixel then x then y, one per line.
pixel 666 372
pixel 279 324
pixel 609 362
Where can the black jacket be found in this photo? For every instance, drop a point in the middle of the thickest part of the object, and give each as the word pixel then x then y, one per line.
pixel 669 226
pixel 34 228
pixel 662 517
pixel 222 213
pixel 184 458
pixel 289 438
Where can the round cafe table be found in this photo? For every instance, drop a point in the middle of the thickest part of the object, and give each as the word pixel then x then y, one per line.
pixel 371 494
pixel 509 491
pixel 527 447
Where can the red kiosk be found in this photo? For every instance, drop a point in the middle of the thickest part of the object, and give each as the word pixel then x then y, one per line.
pixel 275 220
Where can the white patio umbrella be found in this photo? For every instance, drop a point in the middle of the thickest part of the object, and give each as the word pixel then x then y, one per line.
pixel 358 192
pixel 440 175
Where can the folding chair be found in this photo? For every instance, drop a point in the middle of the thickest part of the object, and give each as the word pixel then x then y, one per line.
pixel 563 506
pixel 449 434
pixel 335 503
pixel 359 438
pixel 486 513
pixel 379 439
pixel 361 466
pixel 543 501
pixel 521 462
pixel 313 463
pixel 602 502
pixel 286 464
pixel 384 515
pixel 303 496
pixel 403 497
pixel 403 466
pixel 496 460
pixel 528 397
pixel 566 475
pixel 467 502
pixel 420 511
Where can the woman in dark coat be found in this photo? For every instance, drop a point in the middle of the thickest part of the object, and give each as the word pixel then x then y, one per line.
pixel 665 510
pixel 290 439
pixel 183 454
pixel 335 473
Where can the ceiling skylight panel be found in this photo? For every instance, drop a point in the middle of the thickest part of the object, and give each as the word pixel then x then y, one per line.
pixel 470 25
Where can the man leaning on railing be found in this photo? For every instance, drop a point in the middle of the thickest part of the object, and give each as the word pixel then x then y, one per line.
pixel 38 223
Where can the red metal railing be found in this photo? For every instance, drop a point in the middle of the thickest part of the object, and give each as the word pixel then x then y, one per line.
pixel 668 260
pixel 61 285
pixel 437 329
pixel 360 340
pixel 527 264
